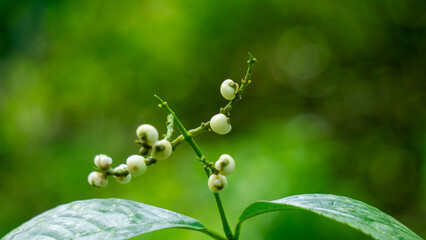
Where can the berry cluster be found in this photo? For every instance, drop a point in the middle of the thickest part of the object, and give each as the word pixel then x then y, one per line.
pixel 224 166
pixel 220 123
pixel 135 164
pixel 152 149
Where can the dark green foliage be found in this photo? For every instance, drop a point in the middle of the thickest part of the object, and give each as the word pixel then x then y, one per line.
pixel 101 219
pixel 354 213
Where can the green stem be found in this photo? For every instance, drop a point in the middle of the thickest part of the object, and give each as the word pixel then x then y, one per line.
pixel 244 83
pixel 225 225
pixel 237 230
pixel 189 138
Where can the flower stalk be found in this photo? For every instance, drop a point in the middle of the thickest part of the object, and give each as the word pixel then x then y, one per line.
pixel 197 150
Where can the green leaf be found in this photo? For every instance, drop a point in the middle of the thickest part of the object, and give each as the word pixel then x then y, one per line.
pixel 354 213
pixel 103 219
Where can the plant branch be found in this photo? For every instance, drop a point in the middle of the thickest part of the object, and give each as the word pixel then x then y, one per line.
pixel 225 110
pixel 237 230
pixel 189 138
pixel 225 225
pixel 244 83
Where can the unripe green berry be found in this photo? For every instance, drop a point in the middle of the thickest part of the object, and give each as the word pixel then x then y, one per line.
pixel 103 161
pixel 228 89
pixel 220 124
pixel 136 165
pixel 122 179
pixel 162 150
pixel 225 164
pixel 97 179
pixel 147 134
pixel 217 182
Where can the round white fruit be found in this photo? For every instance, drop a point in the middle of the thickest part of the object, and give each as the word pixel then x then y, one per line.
pixel 162 150
pixel 97 179
pixel 102 161
pixel 147 134
pixel 225 164
pixel 217 182
pixel 136 165
pixel 220 124
pixel 228 89
pixel 122 179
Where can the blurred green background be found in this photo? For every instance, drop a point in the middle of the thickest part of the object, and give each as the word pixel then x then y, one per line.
pixel 337 105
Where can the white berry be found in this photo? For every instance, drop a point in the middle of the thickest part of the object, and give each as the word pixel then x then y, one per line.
pixel 103 161
pixel 228 89
pixel 97 179
pixel 220 124
pixel 225 164
pixel 136 165
pixel 122 179
pixel 147 134
pixel 162 150
pixel 217 182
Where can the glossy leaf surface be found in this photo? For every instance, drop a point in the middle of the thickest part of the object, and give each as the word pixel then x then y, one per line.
pixel 354 213
pixel 102 219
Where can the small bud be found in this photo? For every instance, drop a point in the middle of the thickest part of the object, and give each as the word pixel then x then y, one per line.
pixel 162 150
pixel 225 164
pixel 97 179
pixel 147 134
pixel 217 182
pixel 136 165
pixel 103 161
pixel 220 124
pixel 228 89
pixel 144 150
pixel 122 179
